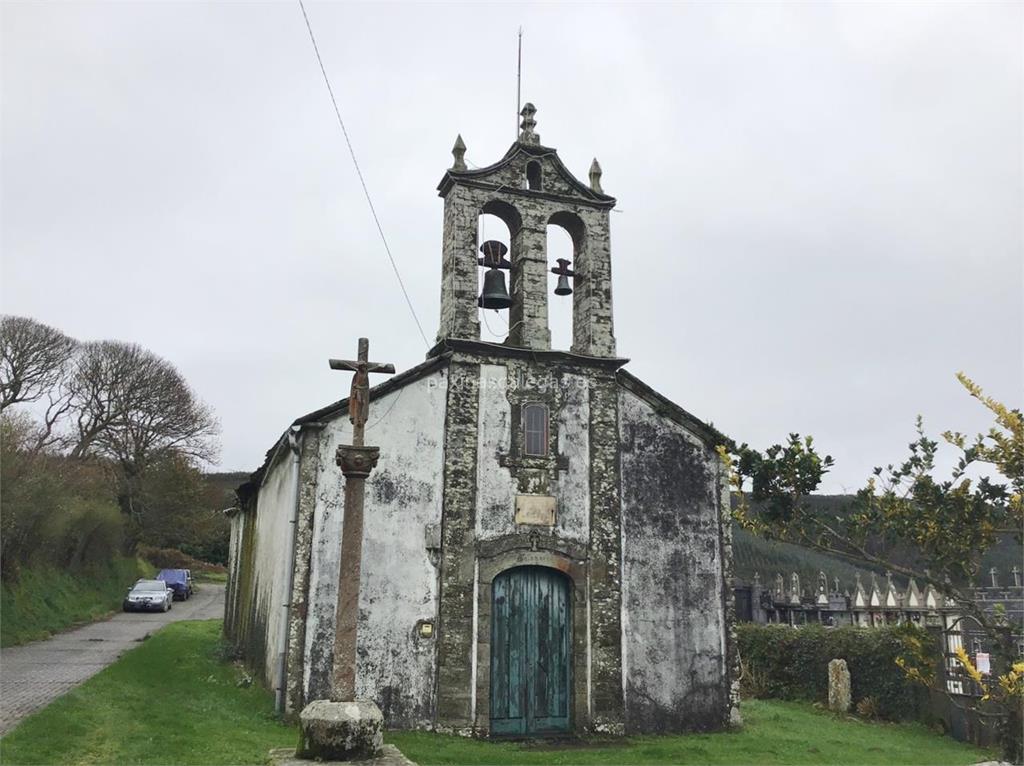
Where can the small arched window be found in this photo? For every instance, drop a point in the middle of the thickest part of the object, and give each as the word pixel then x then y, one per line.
pixel 535 430
pixel 533 176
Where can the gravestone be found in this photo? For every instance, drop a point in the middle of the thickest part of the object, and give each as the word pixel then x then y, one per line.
pixel 838 686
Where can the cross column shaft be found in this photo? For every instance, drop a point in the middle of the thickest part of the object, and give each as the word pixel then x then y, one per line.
pixel 356 462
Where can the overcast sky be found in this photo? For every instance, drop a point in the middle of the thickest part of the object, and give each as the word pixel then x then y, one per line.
pixel 819 205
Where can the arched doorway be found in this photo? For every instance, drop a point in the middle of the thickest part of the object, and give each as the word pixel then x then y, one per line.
pixel 530 652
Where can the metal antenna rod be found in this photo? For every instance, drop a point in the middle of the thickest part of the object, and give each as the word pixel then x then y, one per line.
pixel 519 81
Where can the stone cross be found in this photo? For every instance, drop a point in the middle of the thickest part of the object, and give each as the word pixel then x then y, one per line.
pixel 1016 575
pixel 994 574
pixel 356 462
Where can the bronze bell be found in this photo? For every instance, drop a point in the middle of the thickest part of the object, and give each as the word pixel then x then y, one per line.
pixel 564 272
pixel 495 294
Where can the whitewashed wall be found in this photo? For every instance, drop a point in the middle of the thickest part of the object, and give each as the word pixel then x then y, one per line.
pixel 674 629
pixel 495 487
pixel 399 586
pixel 275 509
pixel 572 489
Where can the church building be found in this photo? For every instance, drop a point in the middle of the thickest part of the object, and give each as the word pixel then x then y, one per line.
pixel 546 539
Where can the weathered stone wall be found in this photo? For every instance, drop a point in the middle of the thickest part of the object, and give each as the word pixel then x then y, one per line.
pixel 486 468
pixel 258 562
pixel 560 200
pixel 458 561
pixel 232 592
pixel 275 509
pixel 310 445
pixel 399 580
pixel 503 472
pixel 675 629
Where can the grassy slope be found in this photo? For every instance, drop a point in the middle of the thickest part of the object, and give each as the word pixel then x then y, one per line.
pixel 770 557
pixel 46 600
pixel 171 701
pixel 774 732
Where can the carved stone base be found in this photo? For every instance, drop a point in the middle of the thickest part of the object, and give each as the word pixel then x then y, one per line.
pixel 340 731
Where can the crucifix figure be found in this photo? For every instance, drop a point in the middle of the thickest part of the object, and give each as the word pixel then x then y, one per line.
pixel 356 462
pixel 359 394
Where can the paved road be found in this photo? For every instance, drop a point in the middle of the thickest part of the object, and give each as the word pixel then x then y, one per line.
pixel 33 675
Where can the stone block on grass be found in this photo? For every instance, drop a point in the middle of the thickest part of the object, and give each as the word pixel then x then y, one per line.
pixel 838 686
pixel 340 731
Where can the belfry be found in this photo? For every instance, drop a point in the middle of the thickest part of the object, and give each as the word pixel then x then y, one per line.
pixel 545 538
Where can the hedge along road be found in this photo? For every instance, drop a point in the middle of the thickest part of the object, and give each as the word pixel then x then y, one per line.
pixel 33 675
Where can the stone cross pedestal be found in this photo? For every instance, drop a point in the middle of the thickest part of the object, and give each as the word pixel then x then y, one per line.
pixel 344 728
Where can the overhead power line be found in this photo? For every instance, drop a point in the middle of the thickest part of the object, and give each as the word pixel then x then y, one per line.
pixel 359 172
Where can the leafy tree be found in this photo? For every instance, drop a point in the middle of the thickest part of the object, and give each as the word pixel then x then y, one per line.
pixel 949 523
pixel 121 429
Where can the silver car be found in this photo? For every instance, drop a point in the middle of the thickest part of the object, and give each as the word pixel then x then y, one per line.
pixel 149 596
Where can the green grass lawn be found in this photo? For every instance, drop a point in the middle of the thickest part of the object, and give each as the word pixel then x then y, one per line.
pixel 46 600
pixel 174 701
pixel 170 701
pixel 774 733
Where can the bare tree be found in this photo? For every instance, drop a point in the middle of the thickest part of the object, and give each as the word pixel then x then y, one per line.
pixel 133 407
pixel 34 359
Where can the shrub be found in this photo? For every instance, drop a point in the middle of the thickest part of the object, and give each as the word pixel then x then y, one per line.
pixel 172 558
pixel 792 663
pixel 46 599
pixel 867 708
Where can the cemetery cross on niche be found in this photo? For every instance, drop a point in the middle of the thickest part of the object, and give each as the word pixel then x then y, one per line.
pixel 356 461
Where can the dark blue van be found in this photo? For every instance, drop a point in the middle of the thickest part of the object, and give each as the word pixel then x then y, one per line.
pixel 178 580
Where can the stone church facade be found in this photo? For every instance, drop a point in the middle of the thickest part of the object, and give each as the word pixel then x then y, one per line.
pixel 546 538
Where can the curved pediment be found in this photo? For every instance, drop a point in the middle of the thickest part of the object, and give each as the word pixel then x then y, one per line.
pixel 515 172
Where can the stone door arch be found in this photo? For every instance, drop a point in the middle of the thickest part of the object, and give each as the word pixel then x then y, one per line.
pixel 506 555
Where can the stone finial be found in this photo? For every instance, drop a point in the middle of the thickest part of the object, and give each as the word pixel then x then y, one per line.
pixel 459 153
pixel 994 574
pixel 526 135
pixel 595 176
pixel 757 579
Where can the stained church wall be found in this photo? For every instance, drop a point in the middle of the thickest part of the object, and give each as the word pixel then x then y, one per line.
pixel 674 629
pixel 265 535
pixel 399 580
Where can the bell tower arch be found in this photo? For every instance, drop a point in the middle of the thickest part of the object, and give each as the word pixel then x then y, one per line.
pixel 529 188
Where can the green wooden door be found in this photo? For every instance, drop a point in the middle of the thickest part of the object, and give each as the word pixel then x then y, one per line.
pixel 530 642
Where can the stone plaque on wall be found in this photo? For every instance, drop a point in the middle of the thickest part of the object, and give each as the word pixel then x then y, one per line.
pixel 538 510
